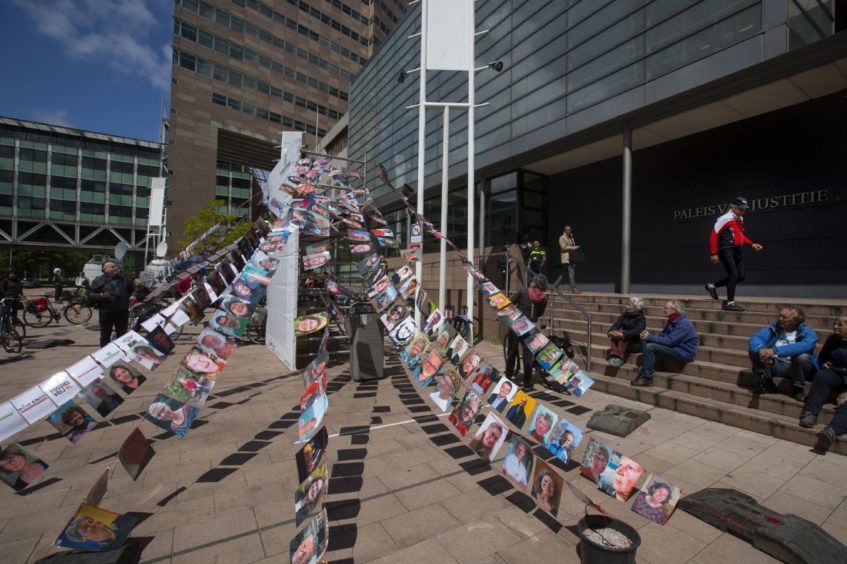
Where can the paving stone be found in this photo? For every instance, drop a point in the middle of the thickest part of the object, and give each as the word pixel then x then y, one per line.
pixel 425 552
pixel 546 546
pixel 478 539
pixel 473 505
pixel 419 525
pixel 728 548
pixel 374 542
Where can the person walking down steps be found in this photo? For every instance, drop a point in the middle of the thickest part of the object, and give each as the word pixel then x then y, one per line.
pixel 725 244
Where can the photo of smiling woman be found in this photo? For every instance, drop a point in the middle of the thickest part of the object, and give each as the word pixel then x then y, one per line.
pixel 19 467
pixel 72 421
pixel 546 488
pixel 127 377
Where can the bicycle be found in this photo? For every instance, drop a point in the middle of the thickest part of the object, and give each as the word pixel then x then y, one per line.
pixel 40 312
pixel 11 339
pixel 79 309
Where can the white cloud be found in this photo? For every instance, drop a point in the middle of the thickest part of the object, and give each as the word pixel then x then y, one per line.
pixel 52 117
pixel 118 33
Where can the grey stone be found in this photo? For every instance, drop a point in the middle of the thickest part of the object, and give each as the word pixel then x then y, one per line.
pixel 617 420
pixel 787 537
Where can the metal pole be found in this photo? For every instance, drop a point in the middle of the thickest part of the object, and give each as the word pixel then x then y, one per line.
pixel 421 146
pixel 626 222
pixel 481 235
pixel 471 194
pixel 445 162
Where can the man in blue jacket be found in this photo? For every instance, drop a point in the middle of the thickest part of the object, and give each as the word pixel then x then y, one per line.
pixel 677 341
pixel 784 348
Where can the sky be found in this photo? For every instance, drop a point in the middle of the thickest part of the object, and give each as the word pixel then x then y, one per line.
pixel 98 65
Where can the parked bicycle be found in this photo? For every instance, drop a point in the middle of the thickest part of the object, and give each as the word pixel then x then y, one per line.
pixel 40 312
pixel 9 336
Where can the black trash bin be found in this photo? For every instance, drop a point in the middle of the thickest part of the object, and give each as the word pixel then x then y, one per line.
pixel 367 353
pixel 593 552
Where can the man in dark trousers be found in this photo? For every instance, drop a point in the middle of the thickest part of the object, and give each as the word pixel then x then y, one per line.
pixel 725 244
pixel 531 302
pixel 113 292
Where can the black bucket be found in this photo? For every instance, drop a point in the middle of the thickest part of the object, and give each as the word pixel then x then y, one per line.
pixel 592 552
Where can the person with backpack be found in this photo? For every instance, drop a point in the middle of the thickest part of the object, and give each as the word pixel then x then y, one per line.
pixel 531 302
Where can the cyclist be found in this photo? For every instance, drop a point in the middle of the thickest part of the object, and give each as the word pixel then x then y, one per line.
pixel 12 288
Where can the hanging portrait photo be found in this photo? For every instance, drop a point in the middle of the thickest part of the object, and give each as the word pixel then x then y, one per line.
pixel 310 420
pixel 502 394
pixel 536 341
pixel 433 324
pixel 394 315
pixel 490 436
pixel 72 421
pixel 595 460
pixel 579 383
pixel 431 365
pixel 95 529
pixel 657 499
pixel 216 344
pixel 20 468
pixel 308 324
pixel 548 355
pixel 542 423
pixel 464 415
pixel 546 487
pixel 198 362
pixel 414 352
pixel 447 388
pixel 457 349
pixel 483 378
pixel 519 462
pixel 190 387
pixel 403 332
pixel 103 399
pixel 309 496
pixel 171 414
pixel 469 364
pixel 135 453
pixel 310 456
pixel 520 410
pixel 309 545
pixel 564 439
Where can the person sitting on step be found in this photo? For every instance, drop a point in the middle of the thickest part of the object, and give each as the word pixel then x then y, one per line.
pixel 626 332
pixel 784 348
pixel 677 341
pixel 831 376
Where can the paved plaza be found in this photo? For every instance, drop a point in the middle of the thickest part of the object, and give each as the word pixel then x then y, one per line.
pixel 404 487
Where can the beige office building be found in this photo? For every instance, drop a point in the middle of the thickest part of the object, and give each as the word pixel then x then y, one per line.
pixel 244 71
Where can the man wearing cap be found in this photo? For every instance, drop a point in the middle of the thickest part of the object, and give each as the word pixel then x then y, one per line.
pixel 725 244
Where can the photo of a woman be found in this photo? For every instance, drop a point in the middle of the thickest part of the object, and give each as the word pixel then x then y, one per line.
pixel 546 488
pixel 657 500
pixel 72 421
pixel 19 467
pixel 518 462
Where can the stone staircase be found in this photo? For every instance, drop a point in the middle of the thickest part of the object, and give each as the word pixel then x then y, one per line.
pixel 719 385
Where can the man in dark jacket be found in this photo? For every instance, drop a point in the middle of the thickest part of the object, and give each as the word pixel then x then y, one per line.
pixel 113 292
pixel 531 302
pixel 832 376
pixel 784 348
pixel 677 341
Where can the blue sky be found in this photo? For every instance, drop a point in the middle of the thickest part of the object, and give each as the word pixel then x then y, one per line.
pixel 100 65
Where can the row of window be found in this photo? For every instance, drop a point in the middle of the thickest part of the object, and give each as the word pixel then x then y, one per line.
pixel 238 25
pixel 246 108
pixel 269 12
pixel 240 52
pixel 70 160
pixel 189 32
pixel 222 74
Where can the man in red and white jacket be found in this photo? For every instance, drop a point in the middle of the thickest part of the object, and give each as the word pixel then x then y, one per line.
pixel 725 244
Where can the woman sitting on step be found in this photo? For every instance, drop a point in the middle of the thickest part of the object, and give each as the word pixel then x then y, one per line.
pixel 832 375
pixel 625 332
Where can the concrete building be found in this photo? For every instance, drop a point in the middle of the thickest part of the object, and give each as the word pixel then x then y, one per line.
pixel 246 70
pixel 635 122
pixel 64 188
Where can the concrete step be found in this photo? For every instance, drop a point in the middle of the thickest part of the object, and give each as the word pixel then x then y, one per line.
pixel 602 322
pixel 756 420
pixel 714 355
pixel 829 308
pixel 695 314
pixel 744 394
pixel 724 342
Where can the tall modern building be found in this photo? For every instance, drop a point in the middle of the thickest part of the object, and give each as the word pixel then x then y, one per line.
pixel 635 122
pixel 64 188
pixel 246 70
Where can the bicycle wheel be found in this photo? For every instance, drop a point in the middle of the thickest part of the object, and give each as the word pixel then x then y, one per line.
pixel 20 327
pixel 77 314
pixel 35 318
pixel 12 342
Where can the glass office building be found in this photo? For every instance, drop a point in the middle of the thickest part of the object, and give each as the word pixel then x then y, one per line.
pixel 711 98
pixel 243 72
pixel 64 188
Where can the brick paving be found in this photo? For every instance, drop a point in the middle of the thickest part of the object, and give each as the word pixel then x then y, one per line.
pixel 404 488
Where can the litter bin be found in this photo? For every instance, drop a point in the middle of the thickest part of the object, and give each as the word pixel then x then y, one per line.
pixel 603 540
pixel 366 342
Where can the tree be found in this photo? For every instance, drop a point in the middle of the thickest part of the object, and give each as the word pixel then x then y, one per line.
pixel 208 216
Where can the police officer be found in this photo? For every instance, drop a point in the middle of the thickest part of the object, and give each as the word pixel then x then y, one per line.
pixel 537 260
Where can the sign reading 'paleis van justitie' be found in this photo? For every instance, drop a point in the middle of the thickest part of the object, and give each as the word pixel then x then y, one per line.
pixel 768 202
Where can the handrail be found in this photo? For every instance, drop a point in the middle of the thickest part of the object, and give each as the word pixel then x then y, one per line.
pixel 580 309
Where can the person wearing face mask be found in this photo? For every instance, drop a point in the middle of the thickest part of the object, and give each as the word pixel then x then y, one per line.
pixel 725 244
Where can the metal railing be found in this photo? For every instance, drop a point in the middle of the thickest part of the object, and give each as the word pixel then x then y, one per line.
pixel 554 289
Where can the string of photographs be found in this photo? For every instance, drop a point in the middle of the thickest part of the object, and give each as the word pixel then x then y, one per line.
pixel 465 383
pixel 59 399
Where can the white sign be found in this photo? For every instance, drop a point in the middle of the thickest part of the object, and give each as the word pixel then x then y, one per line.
pixel 449 34
pixel 60 387
pixel 11 421
pixel 157 202
pixel 85 371
pixel 108 355
pixel 33 404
